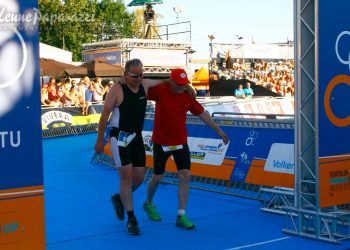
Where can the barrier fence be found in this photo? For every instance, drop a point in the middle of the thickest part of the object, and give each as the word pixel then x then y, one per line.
pixel 258 163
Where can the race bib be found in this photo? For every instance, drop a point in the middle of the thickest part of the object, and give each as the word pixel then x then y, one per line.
pixel 125 138
pixel 172 148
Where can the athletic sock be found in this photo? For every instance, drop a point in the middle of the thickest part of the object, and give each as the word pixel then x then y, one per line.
pixel 130 214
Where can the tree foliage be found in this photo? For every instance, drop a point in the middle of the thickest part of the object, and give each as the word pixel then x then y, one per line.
pixel 70 23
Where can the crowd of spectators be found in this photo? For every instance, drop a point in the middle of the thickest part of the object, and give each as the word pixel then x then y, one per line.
pixel 72 93
pixel 275 76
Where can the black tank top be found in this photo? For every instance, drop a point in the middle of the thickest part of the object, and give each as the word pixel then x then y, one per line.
pixel 132 110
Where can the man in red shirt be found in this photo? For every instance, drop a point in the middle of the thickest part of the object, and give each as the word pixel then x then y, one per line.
pixel 170 138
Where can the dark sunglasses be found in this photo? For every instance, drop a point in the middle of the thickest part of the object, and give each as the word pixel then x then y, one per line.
pixel 135 75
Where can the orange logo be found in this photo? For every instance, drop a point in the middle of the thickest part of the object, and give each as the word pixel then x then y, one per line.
pixel 339 122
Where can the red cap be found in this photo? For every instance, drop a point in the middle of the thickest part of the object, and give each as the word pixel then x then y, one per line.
pixel 179 76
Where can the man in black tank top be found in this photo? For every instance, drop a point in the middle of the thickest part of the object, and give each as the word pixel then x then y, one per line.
pixel 127 103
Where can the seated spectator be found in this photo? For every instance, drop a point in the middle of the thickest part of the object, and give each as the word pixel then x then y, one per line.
pixel 67 99
pixel 248 91
pixel 239 93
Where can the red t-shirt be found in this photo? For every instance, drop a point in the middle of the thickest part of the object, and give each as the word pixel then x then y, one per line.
pixel 170 115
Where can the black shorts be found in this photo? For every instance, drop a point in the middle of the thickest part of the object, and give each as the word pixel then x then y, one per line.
pixel 181 156
pixel 134 153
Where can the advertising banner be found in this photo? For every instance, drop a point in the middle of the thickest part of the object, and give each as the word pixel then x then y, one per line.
pixel 111 56
pixel 262 156
pixel 333 96
pixel 69 117
pixel 203 150
pixel 21 167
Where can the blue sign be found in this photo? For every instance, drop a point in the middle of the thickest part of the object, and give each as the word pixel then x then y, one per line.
pixel 20 128
pixel 334 78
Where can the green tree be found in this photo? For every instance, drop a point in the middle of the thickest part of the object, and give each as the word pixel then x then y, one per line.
pixel 70 23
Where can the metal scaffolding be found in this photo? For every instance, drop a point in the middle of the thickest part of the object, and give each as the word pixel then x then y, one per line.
pixel 127 45
pixel 305 217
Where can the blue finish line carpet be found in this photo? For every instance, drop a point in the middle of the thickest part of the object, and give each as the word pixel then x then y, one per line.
pixel 79 214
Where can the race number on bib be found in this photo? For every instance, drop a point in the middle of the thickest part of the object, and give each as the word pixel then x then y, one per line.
pixel 172 148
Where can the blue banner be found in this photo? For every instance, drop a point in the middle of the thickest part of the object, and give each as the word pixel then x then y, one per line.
pixel 247 144
pixel 334 79
pixel 20 128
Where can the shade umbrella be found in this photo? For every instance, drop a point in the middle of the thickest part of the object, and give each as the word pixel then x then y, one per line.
pixel 50 67
pixel 143 2
pixel 102 69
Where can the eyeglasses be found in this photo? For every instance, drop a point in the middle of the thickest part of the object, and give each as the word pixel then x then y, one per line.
pixel 135 75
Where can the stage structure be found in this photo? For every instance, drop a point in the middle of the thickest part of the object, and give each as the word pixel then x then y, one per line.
pixel 159 57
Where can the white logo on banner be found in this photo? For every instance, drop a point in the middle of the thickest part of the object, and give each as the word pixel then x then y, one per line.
pixel 55 116
pixel 280 159
pixel 253 135
pixel 346 62
pixel 207 151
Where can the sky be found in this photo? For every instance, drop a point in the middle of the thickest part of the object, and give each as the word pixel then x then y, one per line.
pixel 264 21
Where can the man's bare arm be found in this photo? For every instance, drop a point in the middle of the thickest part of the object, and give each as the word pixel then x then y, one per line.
pixel 207 119
pixel 110 103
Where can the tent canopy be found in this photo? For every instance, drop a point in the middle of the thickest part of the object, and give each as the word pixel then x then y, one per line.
pixel 50 67
pixel 102 69
pixel 201 76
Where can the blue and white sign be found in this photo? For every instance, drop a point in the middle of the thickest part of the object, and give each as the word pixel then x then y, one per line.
pixel 334 78
pixel 20 128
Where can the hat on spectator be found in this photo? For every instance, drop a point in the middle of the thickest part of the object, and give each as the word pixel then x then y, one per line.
pixel 179 76
pixel 110 82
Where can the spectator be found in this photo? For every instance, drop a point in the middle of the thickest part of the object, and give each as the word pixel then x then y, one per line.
pixel 248 91
pixel 239 92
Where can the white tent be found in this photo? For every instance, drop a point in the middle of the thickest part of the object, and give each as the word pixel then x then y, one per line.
pixel 50 52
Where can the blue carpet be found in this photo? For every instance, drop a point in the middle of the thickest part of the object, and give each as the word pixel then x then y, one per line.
pixel 79 214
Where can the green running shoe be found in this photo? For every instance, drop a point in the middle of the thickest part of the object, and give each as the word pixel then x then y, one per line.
pixel 151 211
pixel 184 222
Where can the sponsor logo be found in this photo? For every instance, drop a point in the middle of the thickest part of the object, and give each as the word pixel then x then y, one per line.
pixel 280 158
pixel 253 135
pixel 197 155
pixel 210 148
pixel 56 116
pixel 283 164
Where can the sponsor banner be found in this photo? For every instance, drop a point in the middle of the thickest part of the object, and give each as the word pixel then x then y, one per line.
pixel 280 158
pixel 255 106
pixel 108 56
pixel 178 57
pixel 54 118
pixel 333 98
pixel 202 150
pixel 251 144
pixel 21 171
pixel 245 157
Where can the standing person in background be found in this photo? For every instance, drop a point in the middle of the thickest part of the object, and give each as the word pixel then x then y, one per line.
pixel 170 138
